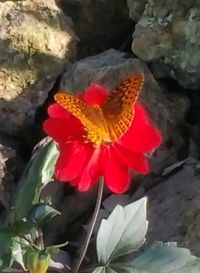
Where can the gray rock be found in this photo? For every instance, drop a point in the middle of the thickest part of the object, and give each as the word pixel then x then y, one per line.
pixel 36 43
pixel 110 67
pixel 74 207
pixel 60 261
pixel 167 36
pixel 136 8
pixel 100 24
pixel 173 209
pixel 10 167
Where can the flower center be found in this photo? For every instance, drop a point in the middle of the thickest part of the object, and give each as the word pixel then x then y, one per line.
pixel 96 127
pixel 103 127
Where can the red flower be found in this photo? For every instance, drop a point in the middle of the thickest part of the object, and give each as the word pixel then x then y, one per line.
pixel 89 149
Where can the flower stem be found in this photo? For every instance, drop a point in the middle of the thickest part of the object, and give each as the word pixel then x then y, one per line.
pixel 92 225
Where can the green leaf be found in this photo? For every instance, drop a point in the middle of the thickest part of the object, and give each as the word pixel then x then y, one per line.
pixel 37 174
pixel 103 269
pixel 5 239
pixel 10 248
pixel 125 267
pixel 6 260
pixel 123 232
pixel 5 246
pixel 167 258
pixel 162 258
pixel 17 254
pixel 40 213
pixel 22 227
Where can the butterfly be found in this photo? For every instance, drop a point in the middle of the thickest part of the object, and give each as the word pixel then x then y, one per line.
pixel 106 122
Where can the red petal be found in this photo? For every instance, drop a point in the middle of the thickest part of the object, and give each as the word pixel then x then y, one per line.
pixel 95 94
pixel 141 136
pixel 136 161
pixel 115 171
pixel 72 160
pixel 57 111
pixel 55 129
pixel 90 173
pixel 63 129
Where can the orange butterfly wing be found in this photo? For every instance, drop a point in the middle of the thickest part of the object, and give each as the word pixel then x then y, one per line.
pixel 118 107
pixel 74 105
pixel 90 116
pixel 110 121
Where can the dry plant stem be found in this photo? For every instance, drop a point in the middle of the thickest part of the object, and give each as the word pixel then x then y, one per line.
pixel 30 242
pixel 40 239
pixel 92 225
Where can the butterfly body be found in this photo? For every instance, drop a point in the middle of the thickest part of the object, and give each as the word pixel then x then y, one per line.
pixel 107 122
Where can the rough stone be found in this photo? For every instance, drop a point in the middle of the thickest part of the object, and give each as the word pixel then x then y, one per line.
pixel 75 208
pixel 110 67
pixel 36 44
pixel 100 24
pixel 136 8
pixel 173 208
pixel 167 36
pixel 10 167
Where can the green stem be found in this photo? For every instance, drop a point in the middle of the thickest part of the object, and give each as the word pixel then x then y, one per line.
pixel 92 225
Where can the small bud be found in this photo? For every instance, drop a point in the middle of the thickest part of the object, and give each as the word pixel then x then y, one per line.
pixel 37 261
